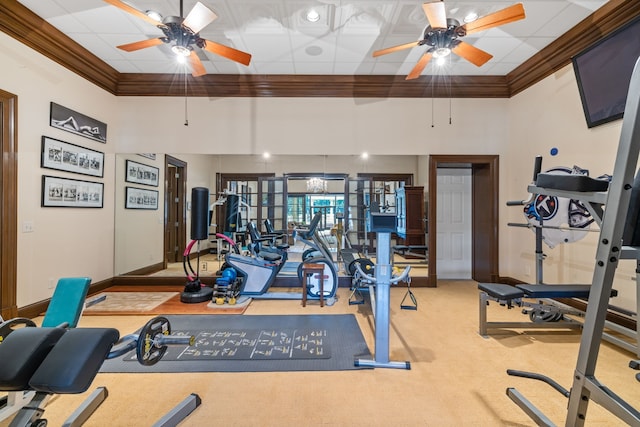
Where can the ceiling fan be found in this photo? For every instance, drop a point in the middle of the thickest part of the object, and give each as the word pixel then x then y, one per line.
pixel 183 35
pixel 442 35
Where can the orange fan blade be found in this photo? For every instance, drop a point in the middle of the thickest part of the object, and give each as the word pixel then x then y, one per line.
pixel 197 69
pixel 472 54
pixel 121 5
pixel 417 70
pixel 436 15
pixel 227 52
pixel 394 49
pixel 501 17
pixel 140 45
pixel 199 17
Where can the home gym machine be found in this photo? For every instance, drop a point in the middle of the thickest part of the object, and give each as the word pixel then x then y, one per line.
pixel 383 224
pixel 618 240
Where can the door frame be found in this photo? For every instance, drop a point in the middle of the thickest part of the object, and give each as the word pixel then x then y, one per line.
pixel 182 194
pixel 484 204
pixel 9 205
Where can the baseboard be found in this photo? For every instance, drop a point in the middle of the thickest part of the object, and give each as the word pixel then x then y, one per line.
pixel 40 307
pixel 150 269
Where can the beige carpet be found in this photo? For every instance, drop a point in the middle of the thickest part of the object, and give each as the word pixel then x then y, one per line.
pixel 458 378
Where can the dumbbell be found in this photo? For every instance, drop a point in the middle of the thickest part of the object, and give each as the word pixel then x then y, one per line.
pixel 152 342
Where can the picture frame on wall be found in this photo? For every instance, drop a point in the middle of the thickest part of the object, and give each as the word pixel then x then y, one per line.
pixel 71 193
pixel 140 198
pixel 63 156
pixel 71 121
pixel 138 173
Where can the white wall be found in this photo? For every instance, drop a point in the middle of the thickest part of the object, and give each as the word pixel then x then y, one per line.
pixel 66 241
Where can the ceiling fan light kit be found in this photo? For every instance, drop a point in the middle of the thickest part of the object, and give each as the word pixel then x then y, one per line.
pixel 442 35
pixel 183 35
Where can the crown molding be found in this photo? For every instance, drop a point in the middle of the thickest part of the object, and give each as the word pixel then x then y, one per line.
pixel 28 28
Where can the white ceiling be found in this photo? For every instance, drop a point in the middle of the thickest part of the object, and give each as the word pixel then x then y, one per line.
pixel 282 41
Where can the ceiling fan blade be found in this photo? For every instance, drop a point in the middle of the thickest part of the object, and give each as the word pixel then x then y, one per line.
pixel 417 70
pixel 501 17
pixel 227 52
pixel 123 6
pixel 197 69
pixel 436 14
pixel 199 17
pixel 140 45
pixel 472 54
pixel 394 49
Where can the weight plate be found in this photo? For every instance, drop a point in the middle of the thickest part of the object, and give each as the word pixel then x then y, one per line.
pixel 147 350
pixel 366 265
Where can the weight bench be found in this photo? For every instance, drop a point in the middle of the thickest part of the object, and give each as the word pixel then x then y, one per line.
pixel 546 313
pixel 41 362
pixel 412 251
pixel 54 360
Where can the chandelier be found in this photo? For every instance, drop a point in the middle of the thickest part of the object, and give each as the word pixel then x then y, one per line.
pixel 316 185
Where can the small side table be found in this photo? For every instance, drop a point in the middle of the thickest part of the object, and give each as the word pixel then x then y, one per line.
pixel 307 270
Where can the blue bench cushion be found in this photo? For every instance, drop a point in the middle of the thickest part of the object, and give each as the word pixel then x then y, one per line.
pixel 22 352
pixel 75 360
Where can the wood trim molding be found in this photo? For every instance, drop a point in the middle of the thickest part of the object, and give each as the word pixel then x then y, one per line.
pixel 558 54
pixel 39 308
pixel 31 30
pixel 28 28
pixel 8 204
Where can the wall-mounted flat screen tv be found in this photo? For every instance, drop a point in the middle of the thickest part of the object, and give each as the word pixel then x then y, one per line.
pixel 603 72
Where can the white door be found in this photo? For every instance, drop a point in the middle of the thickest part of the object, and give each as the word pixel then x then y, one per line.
pixel 454 224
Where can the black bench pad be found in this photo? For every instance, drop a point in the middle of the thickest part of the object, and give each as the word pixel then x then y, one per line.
pixel 22 352
pixel 559 291
pixel 580 183
pixel 75 360
pixel 500 291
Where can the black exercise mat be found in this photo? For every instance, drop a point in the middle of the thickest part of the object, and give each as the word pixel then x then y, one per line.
pixel 257 344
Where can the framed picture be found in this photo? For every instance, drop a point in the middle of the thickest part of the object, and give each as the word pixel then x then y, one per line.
pixel 151 156
pixel 71 193
pixel 68 157
pixel 74 122
pixel 140 198
pixel 138 173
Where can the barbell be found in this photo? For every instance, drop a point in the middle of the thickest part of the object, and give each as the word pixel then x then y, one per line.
pixel 151 343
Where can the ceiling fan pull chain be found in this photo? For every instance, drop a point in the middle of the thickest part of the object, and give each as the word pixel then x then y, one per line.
pixel 186 113
pixel 432 102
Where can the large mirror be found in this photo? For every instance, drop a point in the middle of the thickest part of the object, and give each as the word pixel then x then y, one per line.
pixel 285 189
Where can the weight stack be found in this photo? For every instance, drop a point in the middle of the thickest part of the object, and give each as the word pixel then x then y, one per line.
pixel 199 213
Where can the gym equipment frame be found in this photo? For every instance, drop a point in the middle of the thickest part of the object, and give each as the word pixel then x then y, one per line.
pixel 380 224
pixel 610 250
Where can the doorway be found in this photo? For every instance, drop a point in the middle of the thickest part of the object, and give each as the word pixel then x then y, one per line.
pixel 484 213
pixel 454 223
pixel 8 205
pixel 175 235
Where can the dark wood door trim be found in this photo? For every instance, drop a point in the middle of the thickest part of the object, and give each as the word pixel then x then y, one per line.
pixel 8 204
pixel 181 166
pixel 485 189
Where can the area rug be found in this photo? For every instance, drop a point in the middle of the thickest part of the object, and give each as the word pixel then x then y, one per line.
pixel 127 302
pixel 257 344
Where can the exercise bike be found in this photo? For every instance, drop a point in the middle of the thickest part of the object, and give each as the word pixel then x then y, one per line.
pixel 259 270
